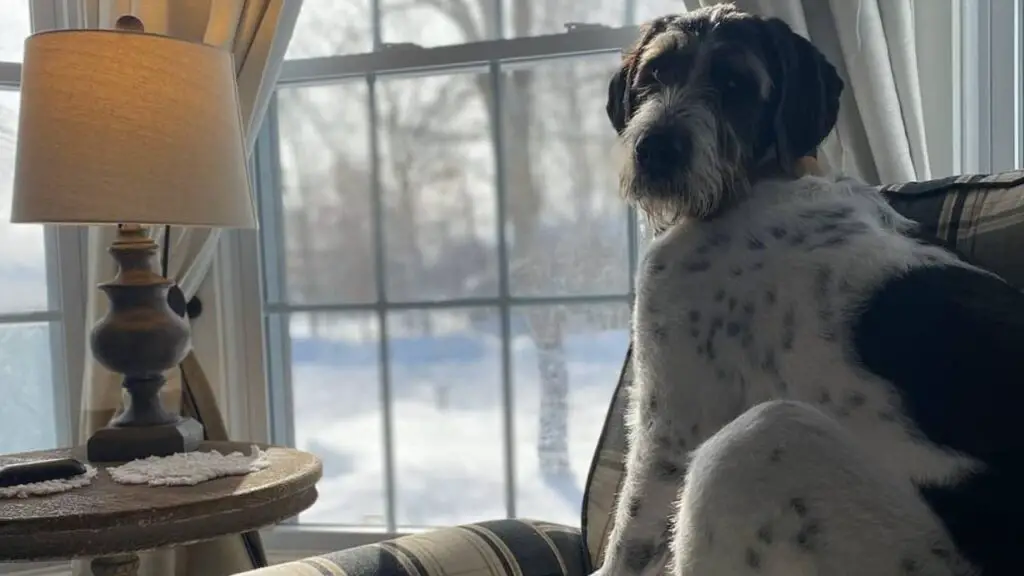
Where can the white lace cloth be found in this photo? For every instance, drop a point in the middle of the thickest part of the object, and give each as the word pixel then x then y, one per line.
pixel 189 468
pixel 50 486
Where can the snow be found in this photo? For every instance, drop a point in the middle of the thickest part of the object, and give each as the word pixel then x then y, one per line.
pixel 447 434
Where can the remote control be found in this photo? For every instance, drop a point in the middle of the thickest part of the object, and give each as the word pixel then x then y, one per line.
pixel 18 473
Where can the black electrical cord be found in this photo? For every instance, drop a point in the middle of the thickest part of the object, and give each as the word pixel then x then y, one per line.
pixel 175 297
pixel 253 546
pixel 166 251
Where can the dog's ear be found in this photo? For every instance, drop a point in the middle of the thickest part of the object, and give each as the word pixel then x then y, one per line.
pixel 618 97
pixel 805 98
pixel 620 103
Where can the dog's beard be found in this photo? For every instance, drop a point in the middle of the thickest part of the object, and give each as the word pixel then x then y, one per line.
pixel 702 183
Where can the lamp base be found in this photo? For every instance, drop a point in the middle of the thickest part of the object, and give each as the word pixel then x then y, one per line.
pixel 126 443
pixel 142 338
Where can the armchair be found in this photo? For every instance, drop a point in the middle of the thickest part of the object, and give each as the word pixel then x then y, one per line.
pixel 980 216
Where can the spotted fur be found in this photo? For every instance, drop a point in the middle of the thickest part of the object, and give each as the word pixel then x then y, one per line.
pixel 787 490
pixel 710 347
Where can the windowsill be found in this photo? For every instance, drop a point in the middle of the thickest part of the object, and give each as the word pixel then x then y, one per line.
pixel 36 569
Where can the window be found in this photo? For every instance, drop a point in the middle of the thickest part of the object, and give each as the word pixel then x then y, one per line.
pixel 34 375
pixel 445 266
pixel 991 67
pixel 14 27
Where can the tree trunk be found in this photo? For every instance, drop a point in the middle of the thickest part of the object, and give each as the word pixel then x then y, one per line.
pixel 524 207
pixel 553 440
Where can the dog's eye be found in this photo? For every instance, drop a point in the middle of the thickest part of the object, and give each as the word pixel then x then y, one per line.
pixel 650 74
pixel 725 78
pixel 657 71
pixel 729 80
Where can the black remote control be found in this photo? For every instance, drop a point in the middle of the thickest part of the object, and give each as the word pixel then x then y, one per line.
pixel 17 473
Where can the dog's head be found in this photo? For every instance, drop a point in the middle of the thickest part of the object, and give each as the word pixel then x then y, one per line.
pixel 707 100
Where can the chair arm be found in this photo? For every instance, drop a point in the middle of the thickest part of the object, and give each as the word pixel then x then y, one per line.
pixel 495 548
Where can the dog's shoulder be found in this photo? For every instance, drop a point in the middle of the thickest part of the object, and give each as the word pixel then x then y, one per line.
pixel 809 218
pixel 836 222
pixel 790 235
pixel 810 202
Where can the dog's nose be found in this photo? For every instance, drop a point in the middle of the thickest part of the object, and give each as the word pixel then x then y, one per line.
pixel 660 152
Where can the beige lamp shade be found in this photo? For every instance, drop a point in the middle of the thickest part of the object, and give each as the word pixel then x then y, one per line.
pixel 128 127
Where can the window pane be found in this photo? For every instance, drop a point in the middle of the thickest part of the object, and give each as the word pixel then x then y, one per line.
pixel 331 27
pixel 336 409
pixel 448 428
pixel 326 196
pixel 27 415
pixel 437 179
pixel 22 248
pixel 534 18
pixel 437 22
pixel 566 363
pixel 649 9
pixel 15 25
pixel 569 225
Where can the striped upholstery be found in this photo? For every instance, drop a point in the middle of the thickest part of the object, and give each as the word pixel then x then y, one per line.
pixel 497 548
pixel 980 216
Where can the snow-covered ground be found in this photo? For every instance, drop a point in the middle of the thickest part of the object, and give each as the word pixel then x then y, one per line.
pixel 448 423
pixel 448 435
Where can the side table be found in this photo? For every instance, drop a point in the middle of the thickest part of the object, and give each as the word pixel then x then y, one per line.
pixel 111 522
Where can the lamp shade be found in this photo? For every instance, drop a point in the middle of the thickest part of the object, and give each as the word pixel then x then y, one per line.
pixel 128 127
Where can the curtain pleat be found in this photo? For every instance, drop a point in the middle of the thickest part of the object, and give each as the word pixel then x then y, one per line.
pixel 880 135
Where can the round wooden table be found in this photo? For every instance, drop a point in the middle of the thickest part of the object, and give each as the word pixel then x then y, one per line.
pixel 111 522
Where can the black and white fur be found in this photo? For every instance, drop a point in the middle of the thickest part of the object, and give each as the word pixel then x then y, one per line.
pixel 817 391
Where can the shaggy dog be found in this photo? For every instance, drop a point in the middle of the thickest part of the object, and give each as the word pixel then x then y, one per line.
pixel 817 389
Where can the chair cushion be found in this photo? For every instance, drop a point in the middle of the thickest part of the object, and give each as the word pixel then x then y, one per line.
pixel 981 216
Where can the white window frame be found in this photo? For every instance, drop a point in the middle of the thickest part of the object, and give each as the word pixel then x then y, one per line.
pixel 65 270
pixel 991 67
pixel 961 141
pixel 66 279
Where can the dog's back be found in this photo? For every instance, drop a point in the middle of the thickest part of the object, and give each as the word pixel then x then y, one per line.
pixel 761 301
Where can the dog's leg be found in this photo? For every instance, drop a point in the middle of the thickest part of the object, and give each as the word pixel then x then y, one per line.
pixel 655 467
pixel 784 490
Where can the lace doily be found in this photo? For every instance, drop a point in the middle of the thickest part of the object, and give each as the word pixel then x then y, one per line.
pixel 188 468
pixel 50 486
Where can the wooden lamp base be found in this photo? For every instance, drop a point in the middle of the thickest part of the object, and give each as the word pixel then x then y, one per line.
pixel 141 338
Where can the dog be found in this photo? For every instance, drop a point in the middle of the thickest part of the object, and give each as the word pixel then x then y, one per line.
pixel 818 389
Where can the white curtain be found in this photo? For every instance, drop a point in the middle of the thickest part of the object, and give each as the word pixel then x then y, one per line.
pixel 880 136
pixel 257 32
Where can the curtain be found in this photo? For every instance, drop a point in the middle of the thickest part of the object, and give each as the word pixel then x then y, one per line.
pixel 257 32
pixel 880 136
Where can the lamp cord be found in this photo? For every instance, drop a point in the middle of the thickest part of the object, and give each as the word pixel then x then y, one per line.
pixel 166 251
pixel 186 392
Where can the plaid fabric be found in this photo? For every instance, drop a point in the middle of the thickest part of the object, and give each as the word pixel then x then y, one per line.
pixel 498 548
pixel 980 216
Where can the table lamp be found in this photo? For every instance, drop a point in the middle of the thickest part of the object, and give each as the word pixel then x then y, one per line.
pixel 120 127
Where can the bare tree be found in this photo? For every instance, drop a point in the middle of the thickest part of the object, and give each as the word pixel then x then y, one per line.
pixel 524 203
pixel 416 150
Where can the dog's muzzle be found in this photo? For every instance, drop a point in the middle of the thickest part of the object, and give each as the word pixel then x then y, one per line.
pixel 661 152
pixel 682 160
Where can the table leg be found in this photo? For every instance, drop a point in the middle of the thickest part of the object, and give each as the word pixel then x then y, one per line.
pixel 120 565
